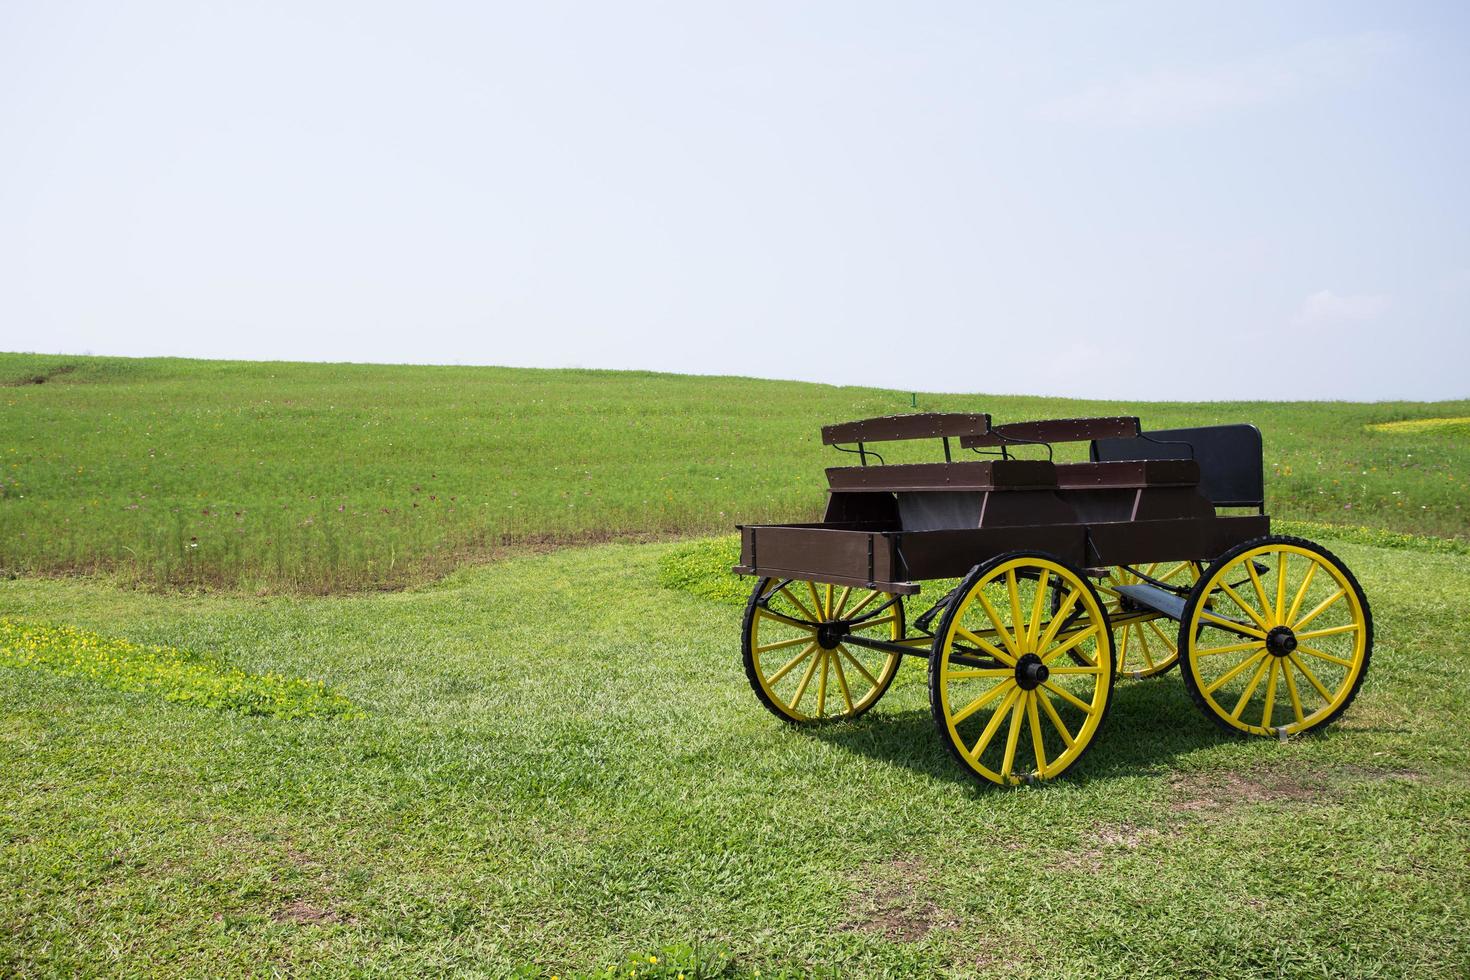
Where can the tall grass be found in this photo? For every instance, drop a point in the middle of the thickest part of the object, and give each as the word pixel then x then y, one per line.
pixel 320 477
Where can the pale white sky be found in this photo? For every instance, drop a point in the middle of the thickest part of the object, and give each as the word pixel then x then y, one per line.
pixel 1132 200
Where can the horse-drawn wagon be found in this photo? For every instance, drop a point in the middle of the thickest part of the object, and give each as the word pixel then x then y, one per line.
pixel 1070 575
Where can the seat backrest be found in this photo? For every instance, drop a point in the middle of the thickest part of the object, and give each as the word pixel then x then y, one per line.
pixel 1230 458
pixel 920 425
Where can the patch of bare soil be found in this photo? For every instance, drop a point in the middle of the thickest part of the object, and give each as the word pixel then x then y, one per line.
pixel 1104 844
pixel 888 903
pixel 304 913
pixel 1208 793
pixel 38 379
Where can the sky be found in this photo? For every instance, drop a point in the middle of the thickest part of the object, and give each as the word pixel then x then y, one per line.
pixel 1253 200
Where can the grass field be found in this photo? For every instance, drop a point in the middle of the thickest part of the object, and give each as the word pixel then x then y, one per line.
pixel 559 767
pixel 552 765
pixel 314 478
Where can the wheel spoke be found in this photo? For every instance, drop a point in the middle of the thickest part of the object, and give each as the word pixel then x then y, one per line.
pixel 853 612
pixel 1232 626
pixel 806 679
pixel 989 648
pixel 1013 735
pixel 1270 692
pixel 816 599
pixel 1015 595
pixel 782 644
pixel 995 621
pixel 1250 688
pixel 1313 651
pixel 1036 605
pixel 967 674
pixel 1301 593
pixel 1036 747
pixel 1232 648
pixel 1143 645
pixel 1072 641
pixel 858 664
pixel 1330 631
pixel 1056 720
pixel 800 624
pixel 868 624
pixel 1182 566
pixel 1311 677
pixel 842 602
pixel 1320 609
pixel 1244 606
pixel 811 616
pixel 822 684
pixel 1123 647
pixel 1074 670
pixel 1280 587
pixel 1233 672
pixel 842 681
pixel 775 678
pixel 1296 700
pixel 1057 618
pixel 981 701
pixel 1250 566
pixel 1168 643
pixel 991 727
pixel 1067 696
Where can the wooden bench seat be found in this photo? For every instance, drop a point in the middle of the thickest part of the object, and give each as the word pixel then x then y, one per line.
pixel 1009 474
pixel 1128 474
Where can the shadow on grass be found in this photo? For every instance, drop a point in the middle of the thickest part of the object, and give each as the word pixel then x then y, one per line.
pixel 1150 723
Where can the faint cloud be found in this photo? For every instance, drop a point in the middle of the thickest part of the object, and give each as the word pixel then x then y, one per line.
pixel 1186 95
pixel 1328 307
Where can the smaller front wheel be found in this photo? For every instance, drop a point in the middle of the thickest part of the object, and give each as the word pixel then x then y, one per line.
pixel 1276 638
pixel 795 657
pixel 1021 671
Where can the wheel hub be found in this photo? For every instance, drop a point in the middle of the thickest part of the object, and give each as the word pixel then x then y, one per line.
pixel 831 634
pixel 1031 673
pixel 1281 641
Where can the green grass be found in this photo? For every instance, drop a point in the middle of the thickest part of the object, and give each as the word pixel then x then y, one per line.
pixel 560 767
pixel 172 674
pixel 319 477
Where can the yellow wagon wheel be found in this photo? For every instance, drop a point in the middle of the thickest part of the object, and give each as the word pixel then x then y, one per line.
pixel 1007 700
pixel 1145 649
pixel 794 655
pixel 1280 651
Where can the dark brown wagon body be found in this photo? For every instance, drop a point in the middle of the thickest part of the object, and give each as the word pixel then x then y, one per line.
pixel 892 527
pixel 1048 541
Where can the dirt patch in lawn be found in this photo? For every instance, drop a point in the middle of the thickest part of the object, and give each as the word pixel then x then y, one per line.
pixel 1100 847
pixel 38 378
pixel 304 913
pixel 1207 793
pixel 888 902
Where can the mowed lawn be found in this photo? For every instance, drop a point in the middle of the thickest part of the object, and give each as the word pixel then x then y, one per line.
pixel 560 765
pixel 323 477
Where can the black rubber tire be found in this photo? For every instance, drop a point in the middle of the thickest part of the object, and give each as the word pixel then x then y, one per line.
pixel 1189 683
pixel 751 675
pixel 936 707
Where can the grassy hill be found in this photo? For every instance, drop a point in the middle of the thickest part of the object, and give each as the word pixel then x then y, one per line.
pixel 320 477
pixel 549 766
